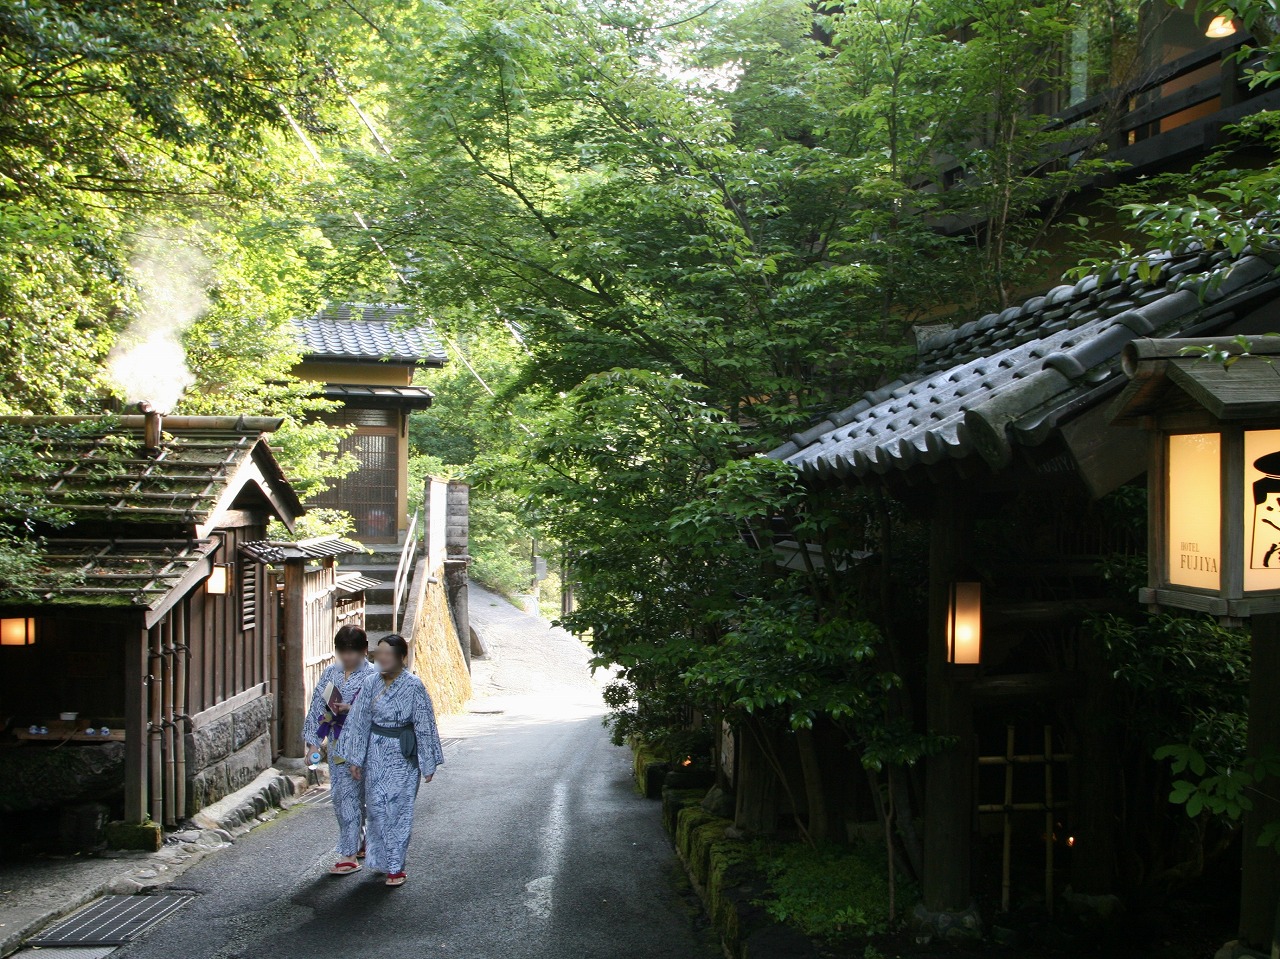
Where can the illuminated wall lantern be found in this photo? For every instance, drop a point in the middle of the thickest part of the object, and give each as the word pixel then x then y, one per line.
pixel 1213 473
pixel 17 631
pixel 1220 26
pixel 219 580
pixel 964 625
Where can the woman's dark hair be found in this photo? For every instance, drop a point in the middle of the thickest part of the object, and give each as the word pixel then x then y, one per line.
pixel 351 637
pixel 396 642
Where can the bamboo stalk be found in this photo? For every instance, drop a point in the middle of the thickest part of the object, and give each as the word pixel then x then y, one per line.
pixel 1048 818
pixel 154 727
pixel 166 688
pixel 182 652
pixel 1023 760
pixel 1006 866
pixel 996 807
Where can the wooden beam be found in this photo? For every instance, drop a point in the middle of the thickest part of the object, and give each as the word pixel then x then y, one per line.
pixel 1044 687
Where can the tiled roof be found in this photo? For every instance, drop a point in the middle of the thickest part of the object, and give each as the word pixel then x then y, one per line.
pixel 275 552
pixel 1011 378
pixel 370 331
pixel 119 572
pixel 96 470
pixel 399 397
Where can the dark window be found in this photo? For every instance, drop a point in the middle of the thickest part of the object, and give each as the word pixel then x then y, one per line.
pixel 370 493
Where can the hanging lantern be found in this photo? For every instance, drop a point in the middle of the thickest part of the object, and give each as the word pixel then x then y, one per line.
pixel 964 624
pixel 17 631
pixel 1213 476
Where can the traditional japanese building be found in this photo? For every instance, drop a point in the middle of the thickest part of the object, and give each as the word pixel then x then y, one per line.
pixel 366 355
pixel 998 443
pixel 143 652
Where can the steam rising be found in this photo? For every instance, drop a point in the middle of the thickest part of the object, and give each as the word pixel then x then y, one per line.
pixel 148 363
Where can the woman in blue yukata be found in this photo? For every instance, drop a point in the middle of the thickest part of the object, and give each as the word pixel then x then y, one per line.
pixel 339 687
pixel 391 743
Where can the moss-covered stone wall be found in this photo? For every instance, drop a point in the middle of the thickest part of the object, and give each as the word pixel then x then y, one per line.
pixel 437 655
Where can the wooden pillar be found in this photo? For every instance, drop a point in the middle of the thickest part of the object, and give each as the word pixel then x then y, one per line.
pixel 1260 867
pixel 1093 858
pixel 293 692
pixel 275 643
pixel 135 726
pixel 949 807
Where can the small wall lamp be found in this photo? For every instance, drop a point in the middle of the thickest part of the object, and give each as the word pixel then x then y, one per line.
pixel 219 580
pixel 1220 26
pixel 18 631
pixel 964 624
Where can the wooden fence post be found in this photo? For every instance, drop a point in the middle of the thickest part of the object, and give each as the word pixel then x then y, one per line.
pixel 293 694
pixel 949 776
pixel 1260 866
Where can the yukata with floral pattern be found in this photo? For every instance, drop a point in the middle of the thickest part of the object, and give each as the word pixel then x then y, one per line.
pixel 347 793
pixel 390 781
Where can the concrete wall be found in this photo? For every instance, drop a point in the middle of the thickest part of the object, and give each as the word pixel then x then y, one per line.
pixel 227 747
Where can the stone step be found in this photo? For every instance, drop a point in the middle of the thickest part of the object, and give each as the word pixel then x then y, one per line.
pixel 370 562
pixel 377 618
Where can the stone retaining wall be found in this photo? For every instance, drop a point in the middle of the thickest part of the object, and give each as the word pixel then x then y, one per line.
pixel 437 655
pixel 227 752
pixel 730 886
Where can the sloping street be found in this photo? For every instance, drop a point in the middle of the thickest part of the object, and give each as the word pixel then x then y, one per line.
pixel 530 843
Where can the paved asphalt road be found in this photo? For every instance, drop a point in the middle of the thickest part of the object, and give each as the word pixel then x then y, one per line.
pixel 530 844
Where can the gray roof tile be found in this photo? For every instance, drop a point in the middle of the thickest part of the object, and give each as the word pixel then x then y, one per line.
pixel 1005 379
pixel 370 331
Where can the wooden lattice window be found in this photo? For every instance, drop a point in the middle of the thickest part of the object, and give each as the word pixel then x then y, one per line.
pixel 250 580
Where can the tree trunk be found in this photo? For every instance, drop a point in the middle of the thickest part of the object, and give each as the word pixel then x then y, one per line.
pixel 756 802
pixel 819 826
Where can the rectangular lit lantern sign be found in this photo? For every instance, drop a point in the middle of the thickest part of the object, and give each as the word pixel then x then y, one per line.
pixel 1262 510
pixel 1195 510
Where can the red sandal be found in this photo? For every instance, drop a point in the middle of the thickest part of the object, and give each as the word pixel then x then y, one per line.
pixel 344 867
pixel 396 879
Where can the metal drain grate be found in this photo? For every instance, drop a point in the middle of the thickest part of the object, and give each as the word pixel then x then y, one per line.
pixel 66 952
pixel 316 796
pixel 111 921
pixel 445 743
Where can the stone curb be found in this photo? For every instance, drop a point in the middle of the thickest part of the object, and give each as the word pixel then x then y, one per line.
pixel 253 804
pixel 215 827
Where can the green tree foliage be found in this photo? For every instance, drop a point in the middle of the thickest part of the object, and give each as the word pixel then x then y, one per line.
pixel 151 144
pixel 709 226
pixel 131 133
pixel 473 423
pixel 1222 203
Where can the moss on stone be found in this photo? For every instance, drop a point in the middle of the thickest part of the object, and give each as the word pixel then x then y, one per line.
pixel 648 768
pixel 673 801
pixel 730 866
pixel 701 841
pixel 689 819
pixel 145 836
